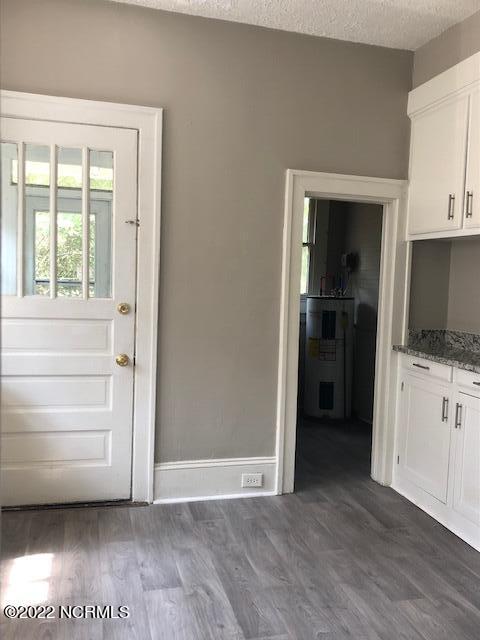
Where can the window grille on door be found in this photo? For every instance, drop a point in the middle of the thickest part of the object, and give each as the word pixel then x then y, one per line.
pixel 57 206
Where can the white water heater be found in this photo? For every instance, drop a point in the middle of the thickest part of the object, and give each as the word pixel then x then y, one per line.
pixel 328 357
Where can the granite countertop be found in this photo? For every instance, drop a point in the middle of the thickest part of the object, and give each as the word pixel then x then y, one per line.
pixel 453 348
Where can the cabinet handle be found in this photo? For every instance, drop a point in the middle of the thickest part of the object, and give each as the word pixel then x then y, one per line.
pixel 477 384
pixel 469 205
pixel 420 366
pixel 445 409
pixel 451 206
pixel 458 416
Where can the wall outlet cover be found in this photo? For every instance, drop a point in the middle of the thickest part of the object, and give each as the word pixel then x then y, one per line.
pixel 252 480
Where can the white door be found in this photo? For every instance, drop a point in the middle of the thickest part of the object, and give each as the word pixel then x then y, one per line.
pixel 466 483
pixel 68 262
pixel 472 182
pixel 437 167
pixel 426 439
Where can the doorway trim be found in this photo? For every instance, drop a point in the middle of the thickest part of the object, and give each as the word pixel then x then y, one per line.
pixel 147 121
pixel 392 321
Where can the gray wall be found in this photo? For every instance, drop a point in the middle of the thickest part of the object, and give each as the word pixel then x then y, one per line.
pixel 363 236
pixel 429 284
pixel 445 288
pixel 449 48
pixel 243 104
pixel 464 289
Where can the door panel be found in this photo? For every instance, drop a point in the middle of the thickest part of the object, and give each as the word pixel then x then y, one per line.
pixel 472 182
pixel 67 406
pixel 466 492
pixel 73 447
pixel 55 335
pixel 426 446
pixel 437 167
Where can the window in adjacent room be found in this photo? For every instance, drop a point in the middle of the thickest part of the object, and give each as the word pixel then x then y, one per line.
pixel 309 216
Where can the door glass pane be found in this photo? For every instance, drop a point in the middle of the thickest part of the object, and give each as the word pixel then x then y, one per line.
pixel 42 252
pixel 9 208
pixel 100 224
pixel 37 220
pixel 69 222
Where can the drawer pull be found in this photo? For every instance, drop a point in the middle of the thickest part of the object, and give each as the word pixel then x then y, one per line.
pixel 451 206
pixel 420 366
pixel 445 409
pixel 458 416
pixel 469 209
pixel 477 384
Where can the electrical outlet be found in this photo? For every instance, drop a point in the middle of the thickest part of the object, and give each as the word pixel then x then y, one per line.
pixel 252 479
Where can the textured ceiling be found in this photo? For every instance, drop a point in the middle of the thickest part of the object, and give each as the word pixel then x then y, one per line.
pixel 402 24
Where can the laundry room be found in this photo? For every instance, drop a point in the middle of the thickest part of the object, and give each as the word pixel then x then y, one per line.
pixel 341 257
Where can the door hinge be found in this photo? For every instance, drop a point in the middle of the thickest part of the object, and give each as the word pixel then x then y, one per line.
pixel 398 459
pixel 403 386
pixel 134 360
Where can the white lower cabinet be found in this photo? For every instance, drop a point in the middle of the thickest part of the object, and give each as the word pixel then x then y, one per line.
pixel 438 445
pixel 466 466
pixel 426 444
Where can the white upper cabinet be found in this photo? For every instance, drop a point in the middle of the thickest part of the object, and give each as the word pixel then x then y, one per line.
pixel 472 181
pixel 444 172
pixel 437 167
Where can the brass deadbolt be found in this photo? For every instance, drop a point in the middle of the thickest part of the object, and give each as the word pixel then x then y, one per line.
pixel 122 360
pixel 123 308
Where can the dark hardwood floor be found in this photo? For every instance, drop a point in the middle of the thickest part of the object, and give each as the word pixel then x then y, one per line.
pixel 342 558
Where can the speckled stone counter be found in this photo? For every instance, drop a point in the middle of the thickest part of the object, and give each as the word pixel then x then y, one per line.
pixel 454 348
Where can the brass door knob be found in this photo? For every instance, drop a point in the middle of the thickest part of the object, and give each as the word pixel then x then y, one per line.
pixel 122 360
pixel 123 308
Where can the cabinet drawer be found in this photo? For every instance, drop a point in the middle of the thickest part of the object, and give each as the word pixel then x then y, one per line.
pixel 428 368
pixel 468 381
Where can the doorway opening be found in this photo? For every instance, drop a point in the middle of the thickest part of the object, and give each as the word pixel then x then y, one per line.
pixel 392 306
pixel 339 296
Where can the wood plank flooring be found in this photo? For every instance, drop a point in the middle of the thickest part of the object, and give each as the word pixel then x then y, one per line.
pixel 341 559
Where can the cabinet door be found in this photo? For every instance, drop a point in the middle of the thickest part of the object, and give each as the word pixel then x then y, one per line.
pixel 472 183
pixel 426 438
pixel 466 483
pixel 437 167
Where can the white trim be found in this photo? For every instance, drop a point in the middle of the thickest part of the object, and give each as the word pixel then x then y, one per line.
pixel 190 480
pixel 20 217
pixel 148 122
pixel 452 234
pixel 53 221
pixel 227 496
pixel 214 462
pixel 391 318
pixel 462 76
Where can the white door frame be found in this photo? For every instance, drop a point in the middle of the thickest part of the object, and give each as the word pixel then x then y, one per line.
pixel 148 122
pixel 391 310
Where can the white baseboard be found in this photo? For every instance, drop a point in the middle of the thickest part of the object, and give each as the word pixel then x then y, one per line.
pixel 193 480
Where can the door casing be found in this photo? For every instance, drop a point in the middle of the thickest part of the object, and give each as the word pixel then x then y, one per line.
pixel 148 122
pixel 392 309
